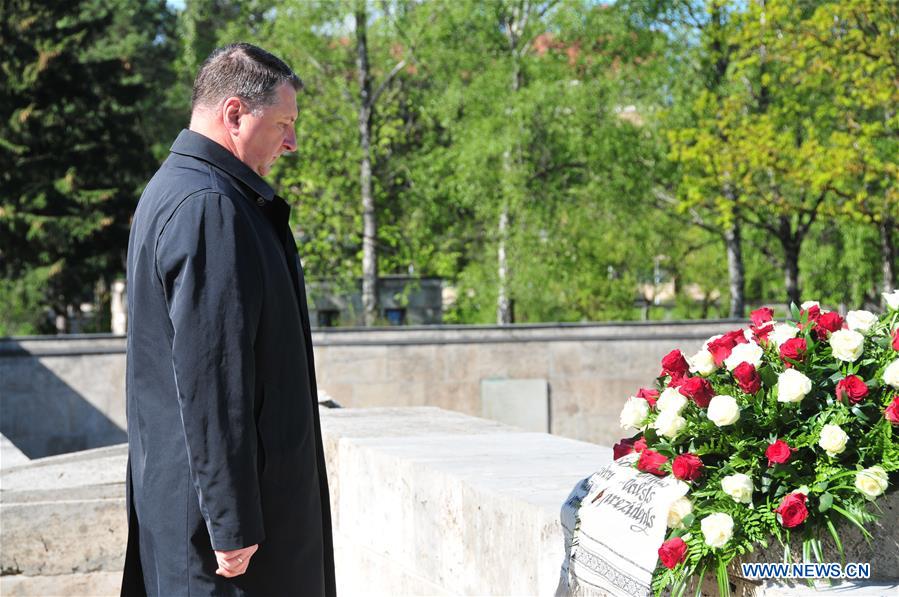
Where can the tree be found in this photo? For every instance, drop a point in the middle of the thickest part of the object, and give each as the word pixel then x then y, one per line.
pixel 74 154
pixel 538 157
pixel 706 193
pixel 352 60
pixel 850 50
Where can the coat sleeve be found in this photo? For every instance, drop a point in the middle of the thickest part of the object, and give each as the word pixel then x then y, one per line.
pixel 206 262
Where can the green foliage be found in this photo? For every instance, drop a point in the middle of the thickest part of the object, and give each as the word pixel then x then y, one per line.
pixel 622 141
pixel 74 149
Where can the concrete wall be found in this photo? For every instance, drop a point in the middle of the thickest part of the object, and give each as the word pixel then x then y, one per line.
pixel 70 390
pixel 425 502
pixel 61 395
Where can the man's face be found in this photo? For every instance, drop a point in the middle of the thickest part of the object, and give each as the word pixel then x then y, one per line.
pixel 268 132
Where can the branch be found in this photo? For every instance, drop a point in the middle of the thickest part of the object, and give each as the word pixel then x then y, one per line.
pixel 664 199
pixel 766 252
pixel 760 222
pixel 555 168
pixel 318 66
pixel 387 80
pixel 803 228
pixel 527 44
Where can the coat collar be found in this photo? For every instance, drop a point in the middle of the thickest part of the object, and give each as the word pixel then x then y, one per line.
pixel 195 145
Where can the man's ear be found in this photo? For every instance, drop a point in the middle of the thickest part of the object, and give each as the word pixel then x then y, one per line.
pixel 232 111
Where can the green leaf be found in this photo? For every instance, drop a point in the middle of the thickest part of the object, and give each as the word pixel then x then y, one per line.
pixel 861 415
pixel 854 520
pixel 723 580
pixel 825 502
pixel 836 539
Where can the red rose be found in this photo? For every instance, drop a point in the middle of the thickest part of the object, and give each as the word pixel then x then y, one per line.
pixel 649 395
pixel 748 378
pixel 651 461
pixel 673 552
pixel 760 316
pixel 674 364
pixel 852 388
pixel 892 412
pixel 827 324
pixel 792 510
pixel 761 333
pixel 778 452
pixel 793 349
pixel 687 467
pixel 623 448
pixel 813 314
pixel 697 389
pixel 722 347
pixel 640 445
pixel 676 381
pixel 896 339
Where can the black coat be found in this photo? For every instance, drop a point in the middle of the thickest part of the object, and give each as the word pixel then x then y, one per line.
pixel 225 447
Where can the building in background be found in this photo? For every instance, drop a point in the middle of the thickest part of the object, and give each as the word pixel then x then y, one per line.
pixel 402 300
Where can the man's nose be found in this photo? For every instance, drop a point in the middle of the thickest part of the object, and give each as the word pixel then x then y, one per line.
pixel 290 141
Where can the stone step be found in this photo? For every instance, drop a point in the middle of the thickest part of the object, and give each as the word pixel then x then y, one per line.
pixel 62 537
pixel 10 455
pixel 97 584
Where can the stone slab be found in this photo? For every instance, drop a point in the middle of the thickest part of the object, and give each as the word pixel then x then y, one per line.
pixel 521 403
pixel 102 466
pixel 62 537
pixel 425 501
pixel 10 455
pixel 98 584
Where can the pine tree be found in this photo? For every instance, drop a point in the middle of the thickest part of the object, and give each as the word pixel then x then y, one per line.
pixel 73 157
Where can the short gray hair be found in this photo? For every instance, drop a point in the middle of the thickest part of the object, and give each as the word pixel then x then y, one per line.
pixel 242 70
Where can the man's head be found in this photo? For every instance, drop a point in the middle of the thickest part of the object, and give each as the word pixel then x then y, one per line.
pixel 245 99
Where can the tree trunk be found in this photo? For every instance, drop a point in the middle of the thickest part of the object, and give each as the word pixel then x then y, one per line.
pixel 791 245
pixel 888 253
pixel 369 220
pixel 735 270
pixel 503 313
pixel 503 303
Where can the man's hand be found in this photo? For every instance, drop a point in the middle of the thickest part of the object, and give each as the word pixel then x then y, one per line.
pixel 234 563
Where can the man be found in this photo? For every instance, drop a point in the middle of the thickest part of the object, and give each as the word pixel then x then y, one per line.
pixel 227 493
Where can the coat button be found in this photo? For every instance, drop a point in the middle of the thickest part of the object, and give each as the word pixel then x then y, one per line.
pixel 260 201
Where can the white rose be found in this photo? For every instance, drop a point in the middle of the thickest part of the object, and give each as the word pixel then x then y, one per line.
pixel 792 386
pixel 860 321
pixel 782 332
pixel 892 299
pixel 717 529
pixel 702 363
pixel 809 304
pixel 744 353
pixel 871 482
pixel 671 400
pixel 833 439
pixel 847 345
pixel 634 413
pixel 669 423
pixel 723 410
pixel 739 487
pixel 891 374
pixel 680 509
